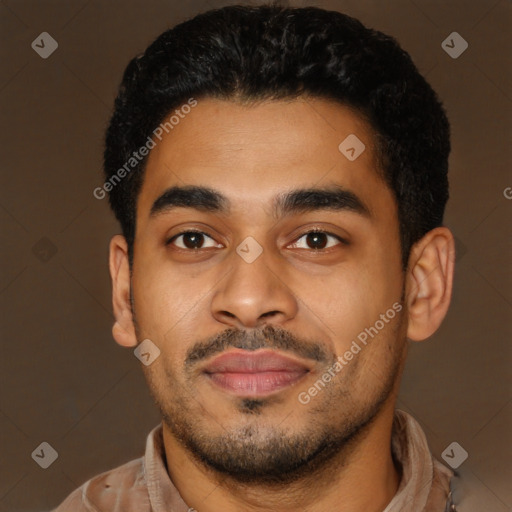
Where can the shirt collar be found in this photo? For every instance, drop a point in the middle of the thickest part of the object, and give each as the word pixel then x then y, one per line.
pixel 424 484
pixel 163 495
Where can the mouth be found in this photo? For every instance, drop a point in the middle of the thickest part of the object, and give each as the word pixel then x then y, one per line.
pixel 254 374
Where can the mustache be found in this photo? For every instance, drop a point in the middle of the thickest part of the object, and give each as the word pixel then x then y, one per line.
pixel 270 336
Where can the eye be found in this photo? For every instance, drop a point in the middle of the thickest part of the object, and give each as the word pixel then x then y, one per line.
pixel 192 240
pixel 318 239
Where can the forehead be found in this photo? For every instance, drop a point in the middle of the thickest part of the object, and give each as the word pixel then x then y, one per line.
pixel 254 152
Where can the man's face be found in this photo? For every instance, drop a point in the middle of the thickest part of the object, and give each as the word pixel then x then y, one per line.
pixel 279 319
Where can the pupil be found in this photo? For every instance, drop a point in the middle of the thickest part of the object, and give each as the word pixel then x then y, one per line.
pixel 192 236
pixel 314 237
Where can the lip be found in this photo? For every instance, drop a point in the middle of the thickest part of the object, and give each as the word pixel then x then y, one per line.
pixel 257 373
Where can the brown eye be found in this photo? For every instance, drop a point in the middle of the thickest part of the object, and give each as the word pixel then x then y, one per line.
pixel 318 240
pixel 190 240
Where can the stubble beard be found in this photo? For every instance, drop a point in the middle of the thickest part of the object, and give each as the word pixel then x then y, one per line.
pixel 267 455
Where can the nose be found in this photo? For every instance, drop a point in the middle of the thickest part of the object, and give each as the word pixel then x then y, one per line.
pixel 253 294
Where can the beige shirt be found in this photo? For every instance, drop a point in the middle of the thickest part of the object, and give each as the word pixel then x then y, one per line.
pixel 143 485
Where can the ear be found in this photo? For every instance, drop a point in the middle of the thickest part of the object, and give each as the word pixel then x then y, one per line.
pixel 123 329
pixel 429 282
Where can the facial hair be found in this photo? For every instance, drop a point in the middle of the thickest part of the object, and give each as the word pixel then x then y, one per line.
pixel 259 453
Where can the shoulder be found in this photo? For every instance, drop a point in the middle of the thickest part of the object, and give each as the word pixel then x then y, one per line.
pixel 124 487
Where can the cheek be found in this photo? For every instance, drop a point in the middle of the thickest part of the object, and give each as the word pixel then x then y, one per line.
pixel 351 300
pixel 164 299
pixel 336 304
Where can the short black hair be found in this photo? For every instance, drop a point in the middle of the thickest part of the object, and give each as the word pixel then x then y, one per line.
pixel 271 52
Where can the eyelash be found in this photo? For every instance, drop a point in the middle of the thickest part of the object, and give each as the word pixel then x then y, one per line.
pixel 174 237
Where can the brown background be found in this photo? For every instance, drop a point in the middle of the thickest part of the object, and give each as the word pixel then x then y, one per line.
pixel 65 381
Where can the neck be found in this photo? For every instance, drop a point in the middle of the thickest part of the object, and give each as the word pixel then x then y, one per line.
pixel 362 479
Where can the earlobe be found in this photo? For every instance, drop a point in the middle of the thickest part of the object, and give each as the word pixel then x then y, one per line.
pixel 123 329
pixel 429 282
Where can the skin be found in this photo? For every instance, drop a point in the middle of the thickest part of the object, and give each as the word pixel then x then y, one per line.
pixel 320 298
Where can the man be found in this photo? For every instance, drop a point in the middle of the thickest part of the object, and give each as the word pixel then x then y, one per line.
pixel 280 177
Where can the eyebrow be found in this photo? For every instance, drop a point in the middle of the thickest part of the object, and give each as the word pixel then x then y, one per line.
pixel 206 199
